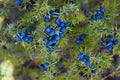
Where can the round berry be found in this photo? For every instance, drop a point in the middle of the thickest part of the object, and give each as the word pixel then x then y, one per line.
pixel 26 38
pixel 110 37
pixel 47 29
pixel 115 41
pixel 81 59
pixel 93 17
pixel 57 37
pixel 41 67
pixel 28 31
pixel 97 17
pixel 110 43
pixel 82 37
pixel 104 17
pixel 98 12
pixel 52 32
pixel 63 29
pixel 52 13
pixel 102 9
pixel 86 57
pixel 87 63
pixel 93 71
pixel 61 35
pixel 22 34
pixel 57 21
pixel 54 40
pixel 57 11
pixel 46 40
pixel 18 2
pixel 91 66
pixel 109 47
pixel 46 64
pixel 54 46
pixel 17 38
pixel 1 5
pixel 47 19
pixel 55 74
pixel 78 41
pixel 4 48
pixel 62 24
pixel 30 39
pixel 50 42
pixel 80 55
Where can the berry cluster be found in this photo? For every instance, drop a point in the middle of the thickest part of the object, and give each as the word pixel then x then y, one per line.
pixel 26 36
pixel 54 35
pixel 44 66
pixel 86 59
pixel 109 43
pixel 81 39
pixel 99 14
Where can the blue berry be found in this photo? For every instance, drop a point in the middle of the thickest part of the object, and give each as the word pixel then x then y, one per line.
pixel 47 29
pixel 46 64
pixel 57 21
pixel 57 37
pixel 55 74
pixel 18 2
pixel 93 17
pixel 57 11
pixel 78 41
pixel 81 59
pixel 1 5
pixel 102 9
pixel 46 19
pixel 109 47
pixel 66 24
pixel 63 29
pixel 87 63
pixel 30 39
pixel 98 12
pixel 50 42
pixel 104 17
pixel 28 31
pixel 46 40
pixel 4 48
pixel 26 38
pixel 22 34
pixel 97 17
pixel 52 32
pixel 54 40
pixel 41 67
pixel 93 71
pixel 110 37
pixel 86 57
pixel 110 43
pixel 82 37
pixel 52 13
pixel 91 66
pixel 17 38
pixel 80 55
pixel 61 35
pixel 62 24
pixel 54 46
pixel 115 41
